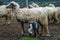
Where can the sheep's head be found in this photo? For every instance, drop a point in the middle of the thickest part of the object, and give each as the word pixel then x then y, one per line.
pixel 33 3
pixel 13 5
pixel 51 5
pixel 10 6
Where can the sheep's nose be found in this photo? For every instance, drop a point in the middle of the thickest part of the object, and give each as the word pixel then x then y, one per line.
pixel 8 6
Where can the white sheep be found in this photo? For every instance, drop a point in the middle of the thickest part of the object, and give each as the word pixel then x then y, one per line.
pixel 36 14
pixel 57 14
pixel 51 11
pixel 5 12
pixel 33 5
pixel 51 5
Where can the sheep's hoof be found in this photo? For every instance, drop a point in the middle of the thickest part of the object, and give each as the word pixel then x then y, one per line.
pixel 4 23
pixel 48 35
pixel 40 34
pixel 8 23
pixel 23 35
pixel 30 35
pixel 57 22
pixel 45 35
pixel 37 36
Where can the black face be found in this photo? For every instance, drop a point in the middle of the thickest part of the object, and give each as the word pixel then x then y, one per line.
pixel 11 6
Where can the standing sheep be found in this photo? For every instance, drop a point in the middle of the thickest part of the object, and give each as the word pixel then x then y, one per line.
pixel 5 12
pixel 57 14
pixel 25 15
pixel 51 12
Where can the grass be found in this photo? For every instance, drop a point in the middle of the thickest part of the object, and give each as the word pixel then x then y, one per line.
pixel 2 18
pixel 28 38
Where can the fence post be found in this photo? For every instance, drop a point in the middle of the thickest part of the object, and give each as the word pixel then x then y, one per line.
pixel 27 3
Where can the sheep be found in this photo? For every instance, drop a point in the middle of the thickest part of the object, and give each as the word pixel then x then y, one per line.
pixel 51 12
pixel 49 9
pixel 7 13
pixel 4 12
pixel 57 14
pixel 24 15
pixel 51 5
pixel 33 5
pixel 9 16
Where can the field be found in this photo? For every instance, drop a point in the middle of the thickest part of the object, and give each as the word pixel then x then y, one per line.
pixel 13 31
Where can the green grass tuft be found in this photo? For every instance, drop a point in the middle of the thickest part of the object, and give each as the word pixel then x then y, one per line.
pixel 28 38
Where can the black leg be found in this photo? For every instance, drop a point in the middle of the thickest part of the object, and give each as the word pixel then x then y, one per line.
pixel 22 26
pixel 34 33
pixel 30 34
pixel 6 19
pixel 37 33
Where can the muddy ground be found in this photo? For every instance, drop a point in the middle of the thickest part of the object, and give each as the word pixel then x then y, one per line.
pixel 13 31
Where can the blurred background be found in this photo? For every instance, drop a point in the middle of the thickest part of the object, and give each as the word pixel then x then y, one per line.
pixel 23 3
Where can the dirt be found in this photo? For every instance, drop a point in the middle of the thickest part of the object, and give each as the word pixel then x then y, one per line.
pixel 13 31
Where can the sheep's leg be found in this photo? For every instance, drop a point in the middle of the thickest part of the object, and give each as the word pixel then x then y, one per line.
pixel 44 21
pixel 56 18
pixel 22 25
pixel 7 19
pixel 37 32
pixel 46 30
pixel 8 16
pixel 45 26
pixel 41 31
pixel 34 32
pixel 30 29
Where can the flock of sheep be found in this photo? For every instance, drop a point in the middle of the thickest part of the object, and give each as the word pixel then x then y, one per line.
pixel 42 15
